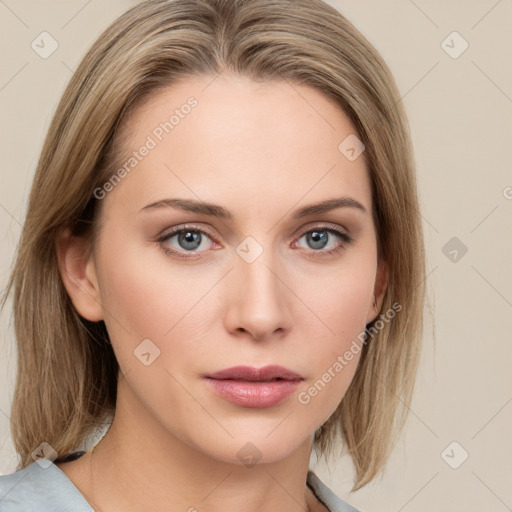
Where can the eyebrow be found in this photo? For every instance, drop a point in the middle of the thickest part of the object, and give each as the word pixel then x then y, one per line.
pixel 200 207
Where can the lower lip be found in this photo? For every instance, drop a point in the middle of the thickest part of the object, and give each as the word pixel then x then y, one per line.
pixel 253 394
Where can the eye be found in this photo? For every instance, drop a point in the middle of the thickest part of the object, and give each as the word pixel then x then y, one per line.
pixel 324 236
pixel 191 240
pixel 188 239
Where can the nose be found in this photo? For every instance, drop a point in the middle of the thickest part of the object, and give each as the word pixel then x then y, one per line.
pixel 259 303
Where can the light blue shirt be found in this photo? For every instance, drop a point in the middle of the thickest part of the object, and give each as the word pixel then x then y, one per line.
pixel 48 489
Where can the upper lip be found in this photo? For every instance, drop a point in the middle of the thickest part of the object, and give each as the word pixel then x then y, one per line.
pixel 251 373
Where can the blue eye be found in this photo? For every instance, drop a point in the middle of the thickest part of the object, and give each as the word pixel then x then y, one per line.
pixel 189 240
pixel 318 238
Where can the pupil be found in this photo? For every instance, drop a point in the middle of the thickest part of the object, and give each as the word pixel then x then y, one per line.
pixel 319 239
pixel 190 239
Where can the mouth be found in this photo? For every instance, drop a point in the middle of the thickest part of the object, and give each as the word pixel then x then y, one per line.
pixel 258 380
pixel 254 387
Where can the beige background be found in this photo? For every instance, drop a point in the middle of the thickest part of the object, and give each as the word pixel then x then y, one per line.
pixel 460 111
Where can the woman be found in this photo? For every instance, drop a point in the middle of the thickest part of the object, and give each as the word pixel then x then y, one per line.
pixel 222 262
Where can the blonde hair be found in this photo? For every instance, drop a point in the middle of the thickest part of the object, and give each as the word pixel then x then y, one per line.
pixel 67 372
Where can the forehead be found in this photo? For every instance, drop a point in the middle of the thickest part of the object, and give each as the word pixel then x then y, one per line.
pixel 243 143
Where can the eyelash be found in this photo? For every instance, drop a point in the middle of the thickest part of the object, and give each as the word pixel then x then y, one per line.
pixel 343 237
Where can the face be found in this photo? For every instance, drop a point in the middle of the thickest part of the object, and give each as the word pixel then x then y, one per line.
pixel 239 271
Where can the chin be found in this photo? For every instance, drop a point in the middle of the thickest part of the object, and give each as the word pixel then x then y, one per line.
pixel 258 448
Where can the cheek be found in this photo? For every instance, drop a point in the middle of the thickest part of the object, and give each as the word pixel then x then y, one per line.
pixel 342 305
pixel 342 295
pixel 345 298
pixel 146 295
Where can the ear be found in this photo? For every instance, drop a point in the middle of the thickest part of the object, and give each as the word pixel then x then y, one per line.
pixel 78 273
pixel 381 284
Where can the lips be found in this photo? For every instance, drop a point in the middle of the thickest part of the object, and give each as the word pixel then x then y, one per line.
pixel 247 386
pixel 248 373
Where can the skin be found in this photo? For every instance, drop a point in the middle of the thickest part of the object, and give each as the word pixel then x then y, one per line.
pixel 261 151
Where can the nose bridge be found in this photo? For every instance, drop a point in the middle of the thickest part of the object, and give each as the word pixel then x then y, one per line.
pixel 259 304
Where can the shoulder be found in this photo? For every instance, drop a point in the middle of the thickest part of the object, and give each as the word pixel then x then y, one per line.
pixel 41 486
pixel 331 500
